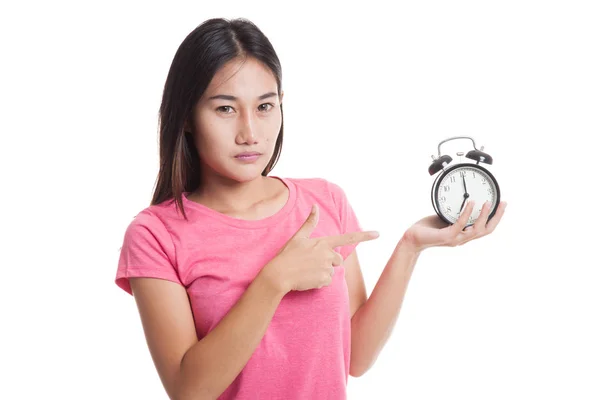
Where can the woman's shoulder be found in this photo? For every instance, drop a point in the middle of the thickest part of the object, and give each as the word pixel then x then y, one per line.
pixel 321 189
pixel 144 220
pixel 155 216
pixel 313 183
pixel 317 184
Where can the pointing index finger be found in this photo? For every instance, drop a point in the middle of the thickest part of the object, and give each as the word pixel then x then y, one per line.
pixel 351 238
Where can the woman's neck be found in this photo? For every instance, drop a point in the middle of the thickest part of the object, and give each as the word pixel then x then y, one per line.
pixel 232 197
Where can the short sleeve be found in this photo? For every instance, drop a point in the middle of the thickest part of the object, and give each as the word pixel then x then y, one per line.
pixel 147 251
pixel 349 221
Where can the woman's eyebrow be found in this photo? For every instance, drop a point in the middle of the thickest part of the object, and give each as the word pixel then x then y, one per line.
pixel 233 98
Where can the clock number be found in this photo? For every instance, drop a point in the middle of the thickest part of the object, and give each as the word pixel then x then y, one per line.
pixel 446 188
pixel 473 174
pixel 489 190
pixel 449 209
pixel 443 198
pixel 463 174
pixel 453 179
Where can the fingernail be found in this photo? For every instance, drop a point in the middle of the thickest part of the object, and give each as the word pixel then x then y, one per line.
pixel 374 234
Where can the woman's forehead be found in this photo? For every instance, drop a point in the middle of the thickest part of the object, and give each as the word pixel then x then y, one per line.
pixel 244 79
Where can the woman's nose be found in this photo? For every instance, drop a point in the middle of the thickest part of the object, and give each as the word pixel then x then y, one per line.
pixel 246 132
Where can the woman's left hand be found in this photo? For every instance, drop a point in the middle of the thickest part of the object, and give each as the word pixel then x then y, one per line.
pixel 431 231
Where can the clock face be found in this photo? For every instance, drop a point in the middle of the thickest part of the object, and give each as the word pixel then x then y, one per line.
pixel 470 179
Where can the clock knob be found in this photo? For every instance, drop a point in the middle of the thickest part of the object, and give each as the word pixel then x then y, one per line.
pixel 439 164
pixel 480 156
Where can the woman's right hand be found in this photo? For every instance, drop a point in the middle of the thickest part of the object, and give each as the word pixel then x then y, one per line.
pixel 305 263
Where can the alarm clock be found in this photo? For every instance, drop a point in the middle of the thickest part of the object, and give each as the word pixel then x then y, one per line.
pixel 461 182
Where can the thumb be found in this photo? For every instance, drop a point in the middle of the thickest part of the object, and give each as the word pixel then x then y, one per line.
pixel 309 225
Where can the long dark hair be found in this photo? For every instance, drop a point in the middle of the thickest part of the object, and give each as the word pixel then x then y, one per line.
pixel 201 54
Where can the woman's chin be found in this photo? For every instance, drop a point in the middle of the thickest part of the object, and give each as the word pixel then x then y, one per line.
pixel 245 174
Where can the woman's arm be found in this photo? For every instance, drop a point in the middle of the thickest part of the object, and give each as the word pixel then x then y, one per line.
pixel 372 324
pixel 192 369
pixel 374 319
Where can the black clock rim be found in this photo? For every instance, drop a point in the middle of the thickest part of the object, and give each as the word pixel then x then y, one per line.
pixel 440 178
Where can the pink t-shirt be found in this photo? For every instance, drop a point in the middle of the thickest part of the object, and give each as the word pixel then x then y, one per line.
pixel 305 352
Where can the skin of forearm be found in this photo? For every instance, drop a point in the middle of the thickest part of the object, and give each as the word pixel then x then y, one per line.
pixel 373 323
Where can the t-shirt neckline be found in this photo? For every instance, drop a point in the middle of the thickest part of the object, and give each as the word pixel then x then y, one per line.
pixel 279 216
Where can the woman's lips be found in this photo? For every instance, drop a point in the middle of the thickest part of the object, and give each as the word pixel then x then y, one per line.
pixel 248 157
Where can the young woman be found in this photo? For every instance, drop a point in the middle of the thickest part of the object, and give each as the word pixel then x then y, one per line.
pixel 248 285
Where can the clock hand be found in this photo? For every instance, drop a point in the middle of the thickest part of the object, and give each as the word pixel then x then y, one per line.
pixel 466 195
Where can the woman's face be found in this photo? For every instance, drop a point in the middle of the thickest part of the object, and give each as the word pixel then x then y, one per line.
pixel 239 113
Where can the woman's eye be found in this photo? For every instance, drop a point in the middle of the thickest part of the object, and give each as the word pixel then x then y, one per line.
pixel 265 107
pixel 225 109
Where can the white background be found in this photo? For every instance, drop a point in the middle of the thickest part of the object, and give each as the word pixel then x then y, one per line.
pixel 370 90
